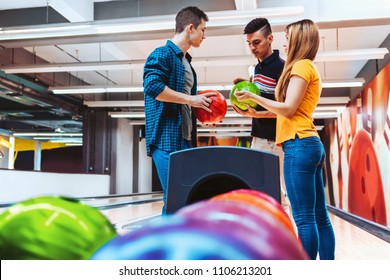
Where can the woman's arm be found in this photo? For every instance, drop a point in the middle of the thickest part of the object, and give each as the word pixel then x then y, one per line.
pixel 253 113
pixel 295 92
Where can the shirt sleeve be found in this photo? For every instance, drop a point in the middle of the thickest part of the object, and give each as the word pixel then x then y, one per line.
pixel 156 73
pixel 304 69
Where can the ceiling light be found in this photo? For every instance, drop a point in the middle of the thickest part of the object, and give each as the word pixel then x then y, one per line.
pixel 73 67
pixel 225 134
pixel 358 82
pixel 115 103
pixel 66 140
pixel 356 54
pixel 125 89
pixel 43 134
pixel 94 89
pixel 326 56
pixel 135 115
pixel 141 24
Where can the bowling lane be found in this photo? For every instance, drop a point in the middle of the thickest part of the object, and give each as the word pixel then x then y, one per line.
pixel 114 200
pixel 129 218
pixel 128 212
pixel 354 243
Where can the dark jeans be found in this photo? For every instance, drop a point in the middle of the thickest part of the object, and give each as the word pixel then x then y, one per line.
pixel 303 163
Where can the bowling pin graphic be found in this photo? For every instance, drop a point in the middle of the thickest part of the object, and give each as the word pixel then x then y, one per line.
pixel 359 114
pixel 334 158
pixel 344 131
pixel 367 124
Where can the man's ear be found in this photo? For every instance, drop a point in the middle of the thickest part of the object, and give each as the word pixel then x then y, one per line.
pixel 271 38
pixel 190 27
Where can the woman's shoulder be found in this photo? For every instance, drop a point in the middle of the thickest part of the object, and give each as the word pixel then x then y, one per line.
pixel 304 62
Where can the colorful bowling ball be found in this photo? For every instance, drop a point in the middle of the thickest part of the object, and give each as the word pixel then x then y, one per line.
pixel 52 228
pixel 244 85
pixel 218 108
pixel 261 204
pixel 262 195
pixel 272 240
pixel 176 238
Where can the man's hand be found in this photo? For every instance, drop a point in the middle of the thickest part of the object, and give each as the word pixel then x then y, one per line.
pixel 201 101
pixel 237 80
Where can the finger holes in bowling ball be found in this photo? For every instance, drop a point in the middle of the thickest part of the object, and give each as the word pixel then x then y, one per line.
pixel 367 163
pixel 214 185
pixel 363 184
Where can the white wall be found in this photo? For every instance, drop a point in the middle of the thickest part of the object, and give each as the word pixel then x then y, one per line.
pixel 16 185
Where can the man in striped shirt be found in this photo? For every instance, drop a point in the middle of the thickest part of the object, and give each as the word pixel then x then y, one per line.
pixel 266 74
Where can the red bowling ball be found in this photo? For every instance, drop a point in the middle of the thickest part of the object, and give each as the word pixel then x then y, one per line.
pixel 264 196
pixel 261 204
pixel 218 107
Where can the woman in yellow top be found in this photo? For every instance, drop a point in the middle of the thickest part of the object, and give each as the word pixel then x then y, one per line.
pixel 297 95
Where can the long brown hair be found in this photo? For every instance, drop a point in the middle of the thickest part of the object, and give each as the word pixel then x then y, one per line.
pixel 303 43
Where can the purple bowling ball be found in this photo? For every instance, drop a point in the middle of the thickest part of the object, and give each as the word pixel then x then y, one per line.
pixel 178 238
pixel 257 228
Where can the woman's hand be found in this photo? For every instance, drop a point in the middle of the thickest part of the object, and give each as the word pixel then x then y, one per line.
pixel 244 95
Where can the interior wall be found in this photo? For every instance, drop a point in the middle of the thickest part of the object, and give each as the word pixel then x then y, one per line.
pixel 358 153
pixel 18 185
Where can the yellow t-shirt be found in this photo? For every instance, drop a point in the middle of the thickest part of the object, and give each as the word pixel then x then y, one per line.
pixel 301 123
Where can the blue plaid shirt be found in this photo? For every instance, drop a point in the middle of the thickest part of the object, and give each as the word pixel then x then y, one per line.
pixel 164 67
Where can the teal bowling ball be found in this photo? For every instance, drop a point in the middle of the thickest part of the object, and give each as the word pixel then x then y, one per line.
pixel 178 238
pixel 52 228
pixel 248 86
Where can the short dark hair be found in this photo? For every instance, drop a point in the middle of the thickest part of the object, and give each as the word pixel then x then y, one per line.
pixel 189 15
pixel 258 24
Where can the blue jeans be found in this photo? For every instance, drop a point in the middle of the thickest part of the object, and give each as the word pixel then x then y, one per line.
pixel 303 164
pixel 161 161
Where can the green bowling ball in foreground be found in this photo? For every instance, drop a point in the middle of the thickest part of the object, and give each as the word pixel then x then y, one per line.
pixel 244 85
pixel 52 228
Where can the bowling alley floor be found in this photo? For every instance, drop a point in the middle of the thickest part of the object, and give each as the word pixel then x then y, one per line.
pixel 352 242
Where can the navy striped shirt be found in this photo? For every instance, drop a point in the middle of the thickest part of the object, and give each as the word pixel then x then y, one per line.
pixel 163 120
pixel 266 76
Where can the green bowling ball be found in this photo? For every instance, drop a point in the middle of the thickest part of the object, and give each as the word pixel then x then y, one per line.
pixel 244 85
pixel 52 228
